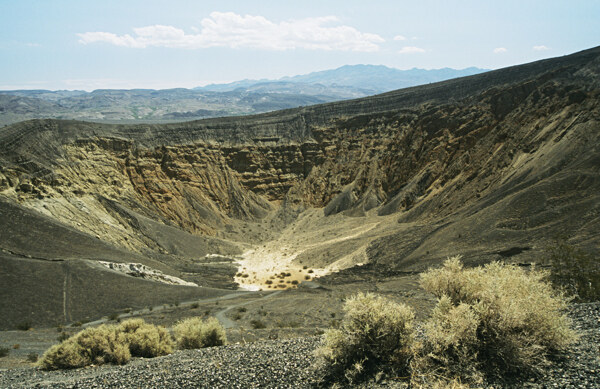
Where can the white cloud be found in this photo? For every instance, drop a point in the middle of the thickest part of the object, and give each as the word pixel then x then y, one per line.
pixel 227 29
pixel 400 38
pixel 500 50
pixel 411 50
pixel 541 48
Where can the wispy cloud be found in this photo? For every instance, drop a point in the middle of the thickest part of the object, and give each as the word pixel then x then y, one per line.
pixel 500 50
pixel 411 50
pixel 400 38
pixel 228 29
pixel 541 48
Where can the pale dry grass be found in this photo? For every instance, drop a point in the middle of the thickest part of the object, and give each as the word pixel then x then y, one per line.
pixel 492 320
pixel 146 340
pixel 376 334
pixel 195 333
pixel 108 344
pixel 97 346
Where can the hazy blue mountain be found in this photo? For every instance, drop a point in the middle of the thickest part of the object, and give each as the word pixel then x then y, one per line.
pixel 237 98
pixel 369 78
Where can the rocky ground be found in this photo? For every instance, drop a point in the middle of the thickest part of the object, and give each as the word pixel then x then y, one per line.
pixel 284 364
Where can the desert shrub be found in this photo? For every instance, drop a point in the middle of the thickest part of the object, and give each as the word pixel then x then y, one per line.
pixel 287 324
pixel 146 340
pixel 574 270
pixel 4 351
pixel 376 334
pixel 194 333
pixel 32 357
pixel 16 346
pixel 195 305
pixel 491 320
pixel 108 344
pixel 257 324
pixel 98 345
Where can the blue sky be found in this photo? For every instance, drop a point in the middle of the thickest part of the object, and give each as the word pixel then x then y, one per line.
pixel 67 44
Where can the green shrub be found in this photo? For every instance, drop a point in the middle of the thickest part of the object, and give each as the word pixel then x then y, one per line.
pixel 493 320
pixel 108 344
pixel 376 334
pixel 98 345
pixel 194 333
pixel 146 340
pixel 574 270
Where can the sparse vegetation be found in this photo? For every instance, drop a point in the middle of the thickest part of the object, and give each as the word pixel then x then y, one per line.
pixel 257 324
pixel 108 344
pixel 4 351
pixel 574 270
pixel 98 345
pixel 376 334
pixel 146 340
pixel 16 346
pixel 496 320
pixel 195 305
pixel 287 324
pixel 194 333
pixel 32 357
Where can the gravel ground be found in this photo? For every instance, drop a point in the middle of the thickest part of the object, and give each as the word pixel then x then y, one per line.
pixel 283 364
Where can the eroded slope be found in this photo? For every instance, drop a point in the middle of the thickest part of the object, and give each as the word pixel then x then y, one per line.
pixel 492 166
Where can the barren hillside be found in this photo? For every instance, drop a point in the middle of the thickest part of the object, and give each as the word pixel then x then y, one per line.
pixel 492 166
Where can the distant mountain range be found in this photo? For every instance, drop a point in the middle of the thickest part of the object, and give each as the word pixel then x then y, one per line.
pixel 371 78
pixel 236 98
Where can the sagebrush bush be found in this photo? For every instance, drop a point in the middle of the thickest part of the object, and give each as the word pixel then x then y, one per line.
pixel 146 340
pixel 491 320
pixel 376 334
pixel 98 345
pixel 108 344
pixel 194 333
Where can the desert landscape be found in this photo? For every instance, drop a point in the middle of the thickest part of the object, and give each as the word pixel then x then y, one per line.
pixel 275 226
